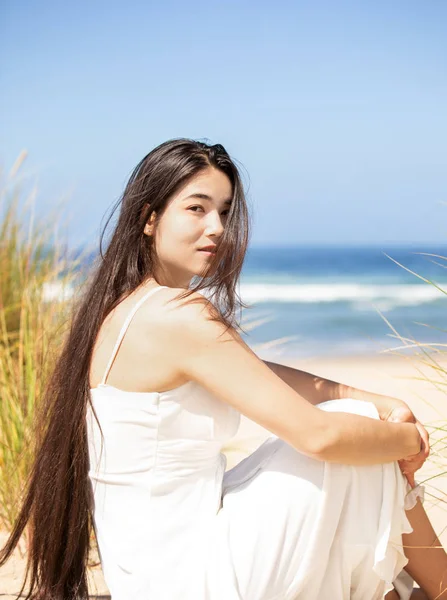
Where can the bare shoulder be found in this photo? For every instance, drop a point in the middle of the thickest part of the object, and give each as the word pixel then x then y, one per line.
pixel 177 320
pixel 195 313
pixel 205 350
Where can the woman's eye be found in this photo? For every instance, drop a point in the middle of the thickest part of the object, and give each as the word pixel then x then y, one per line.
pixel 225 212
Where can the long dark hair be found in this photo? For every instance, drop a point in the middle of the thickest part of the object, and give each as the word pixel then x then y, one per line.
pixel 57 501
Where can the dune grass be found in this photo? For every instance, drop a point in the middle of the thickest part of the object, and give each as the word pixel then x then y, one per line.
pixel 430 361
pixel 31 329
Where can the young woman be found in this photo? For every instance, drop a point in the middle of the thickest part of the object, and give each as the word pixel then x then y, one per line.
pixel 151 383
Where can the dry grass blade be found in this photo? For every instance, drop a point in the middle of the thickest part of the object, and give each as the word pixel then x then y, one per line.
pixel 429 356
pixel 31 330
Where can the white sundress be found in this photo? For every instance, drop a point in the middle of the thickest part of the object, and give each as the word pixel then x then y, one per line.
pixel 171 524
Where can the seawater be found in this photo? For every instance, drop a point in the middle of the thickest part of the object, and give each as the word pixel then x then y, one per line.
pixel 344 300
pixel 311 301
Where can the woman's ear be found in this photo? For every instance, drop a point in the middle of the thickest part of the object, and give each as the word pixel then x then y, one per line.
pixel 148 228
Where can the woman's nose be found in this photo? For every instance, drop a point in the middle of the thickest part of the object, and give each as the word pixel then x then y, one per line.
pixel 214 224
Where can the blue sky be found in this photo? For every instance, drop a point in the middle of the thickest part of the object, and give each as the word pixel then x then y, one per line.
pixel 337 111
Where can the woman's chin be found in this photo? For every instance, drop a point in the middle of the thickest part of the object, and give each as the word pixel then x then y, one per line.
pixel 206 271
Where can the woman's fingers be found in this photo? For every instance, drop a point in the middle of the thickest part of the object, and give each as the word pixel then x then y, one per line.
pixel 409 474
pixel 410 479
pixel 401 414
pixel 411 464
pixel 425 446
pixel 404 414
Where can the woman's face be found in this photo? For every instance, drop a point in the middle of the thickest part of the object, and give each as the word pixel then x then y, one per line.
pixel 195 217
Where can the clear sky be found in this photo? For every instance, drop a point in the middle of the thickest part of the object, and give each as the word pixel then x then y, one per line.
pixel 336 110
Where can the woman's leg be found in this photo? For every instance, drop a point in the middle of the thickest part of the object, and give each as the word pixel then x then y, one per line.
pixel 427 560
pixel 416 595
pixel 393 595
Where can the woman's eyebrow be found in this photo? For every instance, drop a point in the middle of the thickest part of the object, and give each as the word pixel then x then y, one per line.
pixel 205 197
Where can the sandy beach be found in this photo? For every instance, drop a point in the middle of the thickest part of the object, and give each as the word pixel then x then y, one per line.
pixel 399 376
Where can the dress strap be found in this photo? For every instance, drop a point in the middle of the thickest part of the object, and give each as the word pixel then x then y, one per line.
pixel 124 329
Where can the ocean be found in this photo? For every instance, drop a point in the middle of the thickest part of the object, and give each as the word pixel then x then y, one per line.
pixel 335 301
pixel 309 302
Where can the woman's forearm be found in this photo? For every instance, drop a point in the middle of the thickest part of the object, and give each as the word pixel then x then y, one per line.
pixel 316 389
pixel 358 440
pixel 352 439
pixel 313 388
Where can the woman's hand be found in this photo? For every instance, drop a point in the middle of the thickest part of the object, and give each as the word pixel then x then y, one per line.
pixel 399 412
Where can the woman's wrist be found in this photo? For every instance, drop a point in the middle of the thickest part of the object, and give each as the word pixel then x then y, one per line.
pixel 411 436
pixel 413 439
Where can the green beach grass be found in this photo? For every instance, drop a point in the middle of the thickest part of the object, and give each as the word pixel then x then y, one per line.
pixel 32 326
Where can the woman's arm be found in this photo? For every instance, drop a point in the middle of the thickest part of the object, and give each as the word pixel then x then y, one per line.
pixel 316 389
pixel 313 388
pixel 220 361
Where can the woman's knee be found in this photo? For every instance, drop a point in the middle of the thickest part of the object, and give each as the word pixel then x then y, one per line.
pixel 349 405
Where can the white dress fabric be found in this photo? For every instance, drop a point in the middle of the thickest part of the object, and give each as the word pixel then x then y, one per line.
pixel 171 524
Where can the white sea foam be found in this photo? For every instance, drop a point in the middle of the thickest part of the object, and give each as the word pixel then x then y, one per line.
pixel 385 296
pixel 56 291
